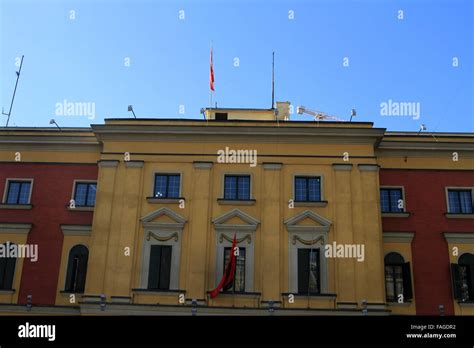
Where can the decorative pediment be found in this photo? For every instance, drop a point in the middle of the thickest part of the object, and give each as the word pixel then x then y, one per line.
pixel 235 220
pixel 163 218
pixel 308 221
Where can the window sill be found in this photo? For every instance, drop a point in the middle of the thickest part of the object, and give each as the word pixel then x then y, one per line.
pixel 240 294
pixel 323 296
pixel 7 292
pixel 80 208
pixel 222 201
pixel 396 215
pixel 311 203
pixel 16 206
pixel 459 216
pixel 397 304
pixel 66 292
pixel 466 304
pixel 157 200
pixel 158 292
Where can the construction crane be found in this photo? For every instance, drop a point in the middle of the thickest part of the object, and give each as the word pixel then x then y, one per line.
pixel 318 115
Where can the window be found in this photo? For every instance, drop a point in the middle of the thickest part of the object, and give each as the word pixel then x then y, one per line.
pixel 84 194
pixel 463 278
pixel 397 278
pixel 391 200
pixel 160 267
pixel 308 271
pixel 221 116
pixel 237 187
pixel 307 188
pixel 77 269
pixel 18 192
pixel 239 279
pixel 460 201
pixel 167 186
pixel 7 270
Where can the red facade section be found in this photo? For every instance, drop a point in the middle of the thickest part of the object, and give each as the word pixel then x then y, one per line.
pixel 425 200
pixel 51 192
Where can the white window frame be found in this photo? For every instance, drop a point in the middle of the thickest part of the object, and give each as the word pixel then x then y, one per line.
pixel 236 174
pixel 79 181
pixel 245 233
pixel 7 184
pixel 404 210
pixel 170 234
pixel 321 184
pixel 299 237
pixel 293 260
pixel 248 244
pixel 446 193
pixel 166 172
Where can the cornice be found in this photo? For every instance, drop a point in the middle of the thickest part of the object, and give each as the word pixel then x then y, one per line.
pixel 260 133
pixel 387 145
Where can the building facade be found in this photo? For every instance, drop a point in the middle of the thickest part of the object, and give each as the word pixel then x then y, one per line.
pixel 137 216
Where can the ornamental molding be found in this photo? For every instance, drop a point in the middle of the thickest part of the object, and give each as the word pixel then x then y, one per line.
pixel 247 237
pixel 250 223
pixel 148 220
pixel 162 239
pixel 459 237
pixel 307 242
pixel 321 223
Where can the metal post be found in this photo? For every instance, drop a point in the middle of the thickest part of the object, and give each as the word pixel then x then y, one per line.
pixel 29 302
pixel 441 310
pixel 102 302
pixel 364 307
pixel 14 92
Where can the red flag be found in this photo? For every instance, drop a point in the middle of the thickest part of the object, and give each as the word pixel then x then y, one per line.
pixel 229 273
pixel 211 75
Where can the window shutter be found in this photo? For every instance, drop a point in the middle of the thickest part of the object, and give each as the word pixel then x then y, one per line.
pixel 81 272
pixel 303 270
pixel 165 267
pixel 407 286
pixel 154 266
pixel 456 278
pixel 70 265
pixel 9 273
pixel 470 271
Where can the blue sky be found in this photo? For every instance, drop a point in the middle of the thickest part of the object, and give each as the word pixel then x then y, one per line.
pixel 83 59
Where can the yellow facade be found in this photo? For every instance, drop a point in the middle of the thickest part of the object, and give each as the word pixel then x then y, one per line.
pixel 127 219
pixel 124 184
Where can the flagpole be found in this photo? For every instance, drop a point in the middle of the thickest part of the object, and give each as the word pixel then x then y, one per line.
pixel 273 80
pixel 233 285
pixel 210 90
pixel 309 272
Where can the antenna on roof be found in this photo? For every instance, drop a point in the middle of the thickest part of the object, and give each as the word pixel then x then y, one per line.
pixel 14 92
pixel 273 79
pixel 353 114
pixel 422 128
pixel 130 108
pixel 318 115
pixel 52 121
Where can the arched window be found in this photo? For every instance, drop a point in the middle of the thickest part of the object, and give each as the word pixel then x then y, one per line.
pixel 397 278
pixel 77 269
pixel 7 268
pixel 463 278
